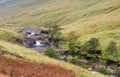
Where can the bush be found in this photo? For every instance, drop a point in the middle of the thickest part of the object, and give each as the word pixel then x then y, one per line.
pixel 112 48
pixel 118 71
pixel 52 53
pixel 78 61
pixel 94 59
pixel 73 45
pixel 91 46
pixel 104 71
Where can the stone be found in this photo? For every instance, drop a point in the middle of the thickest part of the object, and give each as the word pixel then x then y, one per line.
pixel 90 69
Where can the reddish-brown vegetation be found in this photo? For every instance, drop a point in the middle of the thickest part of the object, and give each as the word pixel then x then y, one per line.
pixel 1 47
pixel 19 68
pixel 1 75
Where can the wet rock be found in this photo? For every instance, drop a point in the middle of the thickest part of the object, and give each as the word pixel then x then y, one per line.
pixel 112 76
pixel 63 57
pixel 90 69
pixel 1 53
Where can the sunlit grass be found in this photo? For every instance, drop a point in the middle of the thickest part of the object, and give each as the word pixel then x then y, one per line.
pixel 33 56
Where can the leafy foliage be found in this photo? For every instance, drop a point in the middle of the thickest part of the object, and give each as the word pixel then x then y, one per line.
pixel 77 61
pixel 118 71
pixel 73 45
pixel 104 71
pixel 112 48
pixel 92 45
pixel 52 53
pixel 74 48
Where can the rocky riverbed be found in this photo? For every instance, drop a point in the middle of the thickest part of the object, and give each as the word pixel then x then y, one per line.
pixel 38 40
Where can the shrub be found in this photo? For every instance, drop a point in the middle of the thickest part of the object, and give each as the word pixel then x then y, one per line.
pixel 94 59
pixel 73 45
pixel 118 71
pixel 52 53
pixel 112 48
pixel 104 71
pixel 78 61
pixel 74 49
pixel 91 46
pixel 54 31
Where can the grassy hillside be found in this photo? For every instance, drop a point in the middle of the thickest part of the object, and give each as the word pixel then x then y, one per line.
pixel 9 35
pixel 88 18
pixel 33 56
pixel 15 5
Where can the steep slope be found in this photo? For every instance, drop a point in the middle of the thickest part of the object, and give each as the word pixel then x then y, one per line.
pixel 88 18
pixel 33 56
pixel 16 5
pixel 64 12
pixel 11 67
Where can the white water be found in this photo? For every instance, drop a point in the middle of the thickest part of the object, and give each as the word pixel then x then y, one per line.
pixel 38 43
pixel 33 33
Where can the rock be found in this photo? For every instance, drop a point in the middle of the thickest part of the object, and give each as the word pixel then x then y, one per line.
pixel 63 57
pixel 12 53
pixel 1 53
pixel 90 69
pixel 112 76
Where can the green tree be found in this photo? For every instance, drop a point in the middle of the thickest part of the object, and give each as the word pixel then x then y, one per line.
pixel 112 48
pixel 73 45
pixel 52 53
pixel 91 46
pixel 54 31
pixel 59 40
pixel 74 48
pixel 53 27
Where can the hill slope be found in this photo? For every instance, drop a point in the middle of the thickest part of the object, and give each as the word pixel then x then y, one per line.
pixel 33 56
pixel 88 18
pixel 11 67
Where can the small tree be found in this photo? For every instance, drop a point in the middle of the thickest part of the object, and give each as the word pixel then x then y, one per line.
pixel 54 31
pixel 74 48
pixel 53 28
pixel 112 48
pixel 52 53
pixel 92 45
pixel 73 44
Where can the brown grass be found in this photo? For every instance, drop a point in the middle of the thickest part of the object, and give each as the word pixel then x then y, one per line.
pixel 19 68
pixel 1 75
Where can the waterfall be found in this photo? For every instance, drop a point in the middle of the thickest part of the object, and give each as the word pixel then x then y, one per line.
pixel 38 43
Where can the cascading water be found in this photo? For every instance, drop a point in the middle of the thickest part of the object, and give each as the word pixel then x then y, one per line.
pixel 38 43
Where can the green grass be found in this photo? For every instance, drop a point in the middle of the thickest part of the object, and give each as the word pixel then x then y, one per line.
pixel 33 56
pixel 88 18
pixel 9 35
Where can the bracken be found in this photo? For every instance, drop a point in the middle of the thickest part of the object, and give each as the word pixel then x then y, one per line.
pixel 19 68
